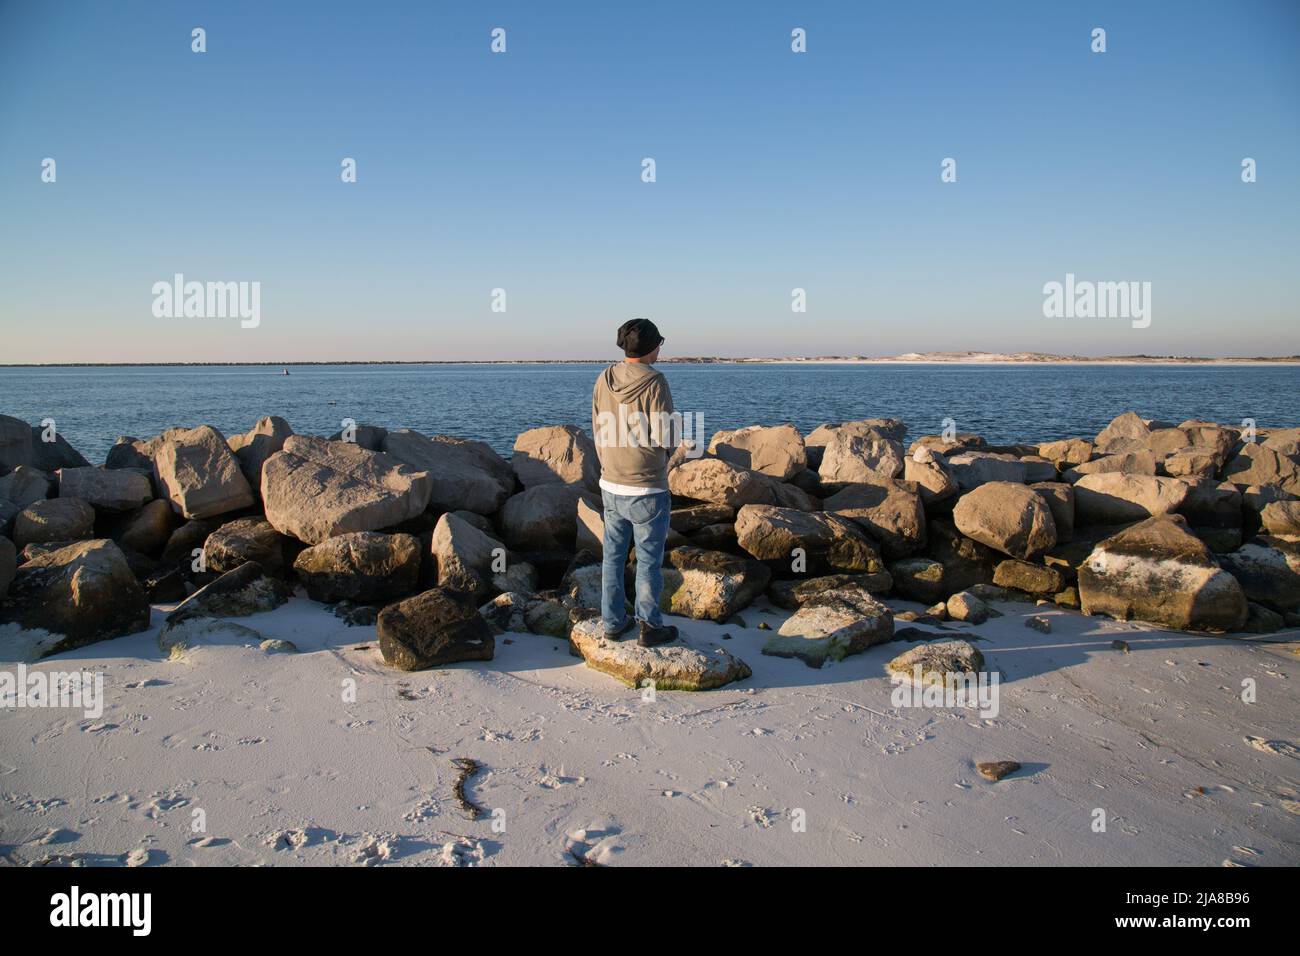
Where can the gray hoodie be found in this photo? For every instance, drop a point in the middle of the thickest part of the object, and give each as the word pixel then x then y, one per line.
pixel 631 409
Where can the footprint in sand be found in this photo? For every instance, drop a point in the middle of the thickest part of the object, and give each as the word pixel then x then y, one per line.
pixel 762 817
pixel 461 851
pixel 424 811
pixel 1283 748
pixel 208 842
pixel 553 780
pixel 593 845
pixel 36 806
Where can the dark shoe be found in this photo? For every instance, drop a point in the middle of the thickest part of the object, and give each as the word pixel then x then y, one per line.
pixel 654 636
pixel 628 624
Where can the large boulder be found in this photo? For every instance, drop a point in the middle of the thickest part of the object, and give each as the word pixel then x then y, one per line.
pixel 1066 452
pixel 1158 571
pixel 84 591
pixel 685 664
pixel 556 453
pixel 1116 498
pixel 774 451
pixel 256 445
pixel 1059 496
pixel 185 544
pixel 966 562
pixel 1038 469
pixel 1139 462
pixel 1189 464
pixel 936 662
pixel 54 519
pixel 720 482
pixel 945 445
pixel 1126 427
pixel 793 593
pixel 1163 442
pixel 135 454
pixel 15 444
pixel 238 593
pixel 51 451
pixel 790 495
pixel 1009 517
pixel 148 530
pixel 889 510
pixel 369 437
pixel 463 556
pixel 974 468
pixel 890 429
pixel 711 585
pixel 968 607
pixel 25 485
pixel 930 474
pixel 365 567
pixel 200 475
pixel 695 517
pixel 112 491
pixel 1285 441
pixel 464 474
pixel 315 489
pixel 435 627
pixel 827 542
pixel 1029 577
pixel 1211 437
pixel 850 457
pixel 1268 569
pixel 542 518
pixel 1213 508
pixel 1281 517
pixel 591 526
pixel 832 625
pixel 919 579
pixel 1258 464
pixel 242 540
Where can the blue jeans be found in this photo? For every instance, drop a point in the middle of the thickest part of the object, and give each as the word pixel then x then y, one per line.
pixel 643 519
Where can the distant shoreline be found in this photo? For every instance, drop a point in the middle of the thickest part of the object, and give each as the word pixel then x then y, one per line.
pixel 910 358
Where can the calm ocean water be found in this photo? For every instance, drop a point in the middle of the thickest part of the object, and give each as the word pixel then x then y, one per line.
pixel 492 403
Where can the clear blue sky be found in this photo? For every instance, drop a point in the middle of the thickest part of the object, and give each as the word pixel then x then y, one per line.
pixel 523 171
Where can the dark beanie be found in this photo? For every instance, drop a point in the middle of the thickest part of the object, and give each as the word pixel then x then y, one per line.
pixel 638 337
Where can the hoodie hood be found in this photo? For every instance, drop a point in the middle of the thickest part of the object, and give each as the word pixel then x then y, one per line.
pixel 627 380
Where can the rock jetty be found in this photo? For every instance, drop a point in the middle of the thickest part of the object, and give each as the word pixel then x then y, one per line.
pixel 442 543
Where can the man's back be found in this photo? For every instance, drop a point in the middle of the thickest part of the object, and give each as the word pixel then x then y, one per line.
pixel 631 409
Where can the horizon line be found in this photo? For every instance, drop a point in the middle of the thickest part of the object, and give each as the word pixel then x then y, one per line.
pixel 908 358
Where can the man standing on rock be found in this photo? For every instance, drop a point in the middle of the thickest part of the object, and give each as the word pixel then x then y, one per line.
pixel 633 423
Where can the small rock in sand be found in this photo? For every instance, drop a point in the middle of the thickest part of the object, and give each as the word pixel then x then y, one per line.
pixel 997 769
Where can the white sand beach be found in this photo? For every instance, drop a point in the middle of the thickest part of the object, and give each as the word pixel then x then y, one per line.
pixel 578 769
